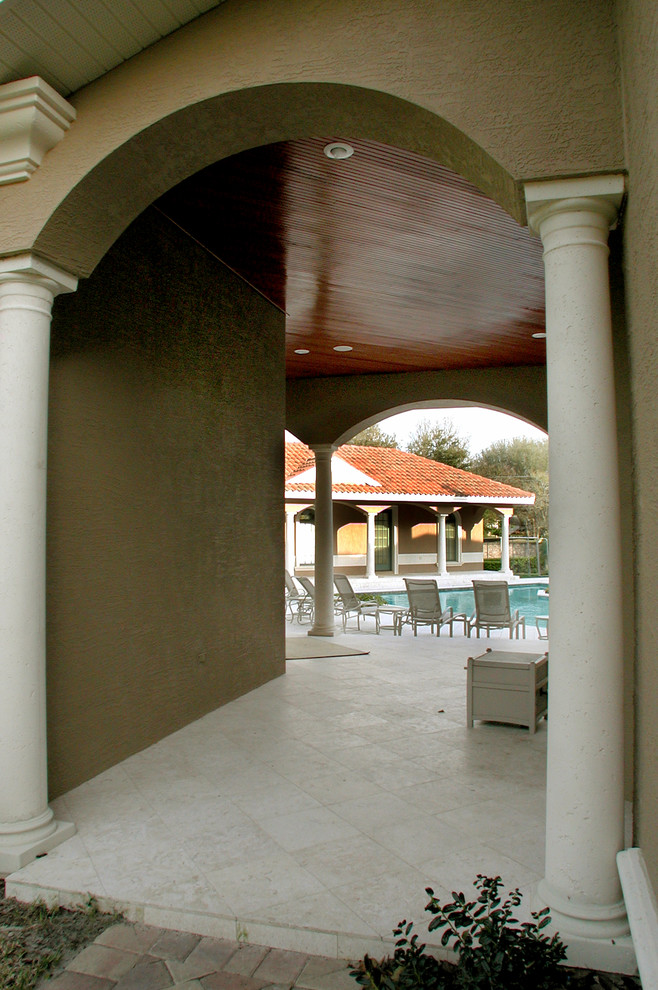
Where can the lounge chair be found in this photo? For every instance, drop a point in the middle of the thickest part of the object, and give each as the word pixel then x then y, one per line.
pixel 492 609
pixel 425 607
pixel 306 605
pixel 541 622
pixel 293 595
pixel 349 605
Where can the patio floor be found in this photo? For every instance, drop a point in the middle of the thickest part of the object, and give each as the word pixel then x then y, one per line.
pixel 312 813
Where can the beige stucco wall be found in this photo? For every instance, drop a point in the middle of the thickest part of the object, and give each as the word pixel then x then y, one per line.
pixel 638 40
pixel 165 477
pixel 491 89
pixel 416 535
pixel 495 90
pixel 416 531
pixel 350 529
pixel 473 529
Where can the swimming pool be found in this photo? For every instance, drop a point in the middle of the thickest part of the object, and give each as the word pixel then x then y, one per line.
pixel 522 596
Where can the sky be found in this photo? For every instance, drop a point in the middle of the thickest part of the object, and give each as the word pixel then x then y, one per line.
pixel 478 427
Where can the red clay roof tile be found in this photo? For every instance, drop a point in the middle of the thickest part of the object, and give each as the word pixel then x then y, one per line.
pixel 400 473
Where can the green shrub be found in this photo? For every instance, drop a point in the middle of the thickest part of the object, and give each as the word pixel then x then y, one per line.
pixel 494 950
pixel 526 566
pixel 521 566
pixel 409 968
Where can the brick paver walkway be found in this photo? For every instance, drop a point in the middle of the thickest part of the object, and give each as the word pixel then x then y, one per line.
pixel 139 957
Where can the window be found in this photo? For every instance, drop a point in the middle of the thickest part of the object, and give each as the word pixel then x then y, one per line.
pixel 452 539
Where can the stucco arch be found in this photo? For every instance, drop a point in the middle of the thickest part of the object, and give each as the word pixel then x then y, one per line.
pixel 85 224
pixel 445 403
pixel 250 74
pixel 331 410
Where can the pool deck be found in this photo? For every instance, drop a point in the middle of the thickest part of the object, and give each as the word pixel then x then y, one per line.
pixel 311 814
pixel 395 582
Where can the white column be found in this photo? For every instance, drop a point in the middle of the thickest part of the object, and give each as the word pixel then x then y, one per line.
pixel 291 511
pixel 27 288
pixel 323 624
pixel 441 551
pixel 370 543
pixel 585 808
pixel 506 515
pixel 395 549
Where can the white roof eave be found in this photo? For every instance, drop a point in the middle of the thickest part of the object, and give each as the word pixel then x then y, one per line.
pixel 382 496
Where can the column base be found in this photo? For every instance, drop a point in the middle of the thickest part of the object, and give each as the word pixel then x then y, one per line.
pixel 19 849
pixel 596 936
pixel 322 631
pixel 614 955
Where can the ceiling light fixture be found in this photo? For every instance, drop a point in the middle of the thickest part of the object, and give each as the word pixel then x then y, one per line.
pixel 301 350
pixel 539 336
pixel 343 347
pixel 338 151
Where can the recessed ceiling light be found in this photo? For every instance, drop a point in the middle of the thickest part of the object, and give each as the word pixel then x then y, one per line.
pixel 343 347
pixel 539 336
pixel 301 350
pixel 338 151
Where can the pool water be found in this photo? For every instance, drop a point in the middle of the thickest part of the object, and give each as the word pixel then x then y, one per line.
pixel 523 596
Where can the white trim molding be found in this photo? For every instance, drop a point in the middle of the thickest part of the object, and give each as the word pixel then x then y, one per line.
pixel 642 913
pixel 33 119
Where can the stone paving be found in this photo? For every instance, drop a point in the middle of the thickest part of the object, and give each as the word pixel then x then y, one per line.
pixel 142 957
pixel 312 813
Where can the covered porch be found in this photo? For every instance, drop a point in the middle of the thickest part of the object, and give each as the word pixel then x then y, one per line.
pixel 312 813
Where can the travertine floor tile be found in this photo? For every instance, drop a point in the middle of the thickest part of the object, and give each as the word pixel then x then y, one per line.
pixel 318 806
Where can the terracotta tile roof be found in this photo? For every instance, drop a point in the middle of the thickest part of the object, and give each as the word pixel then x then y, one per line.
pixel 400 473
pixel 298 458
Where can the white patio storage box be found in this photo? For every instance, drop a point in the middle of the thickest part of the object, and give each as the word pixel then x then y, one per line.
pixel 507 687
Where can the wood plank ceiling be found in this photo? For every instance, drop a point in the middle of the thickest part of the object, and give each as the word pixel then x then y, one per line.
pixel 385 252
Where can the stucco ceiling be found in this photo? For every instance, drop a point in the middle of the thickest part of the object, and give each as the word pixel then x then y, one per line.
pixel 69 43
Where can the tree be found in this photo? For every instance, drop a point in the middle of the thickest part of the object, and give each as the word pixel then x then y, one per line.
pixel 374 436
pixel 440 442
pixel 523 464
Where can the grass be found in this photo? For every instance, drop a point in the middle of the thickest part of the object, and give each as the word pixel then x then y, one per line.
pixel 36 940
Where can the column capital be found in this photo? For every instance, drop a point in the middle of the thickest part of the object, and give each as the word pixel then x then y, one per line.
pixel 31 269
pixel 601 195
pixel 442 510
pixel 323 449
pixel 503 511
pixel 372 510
